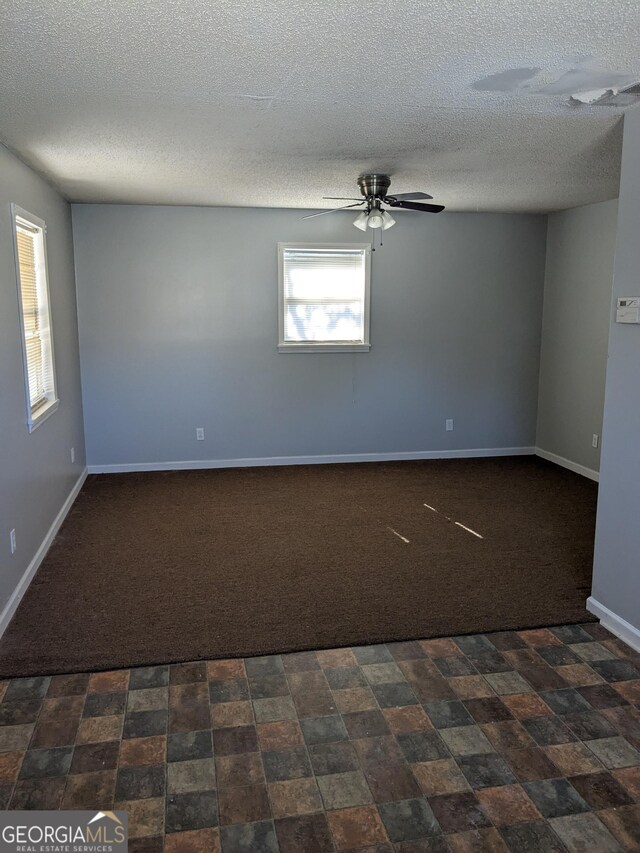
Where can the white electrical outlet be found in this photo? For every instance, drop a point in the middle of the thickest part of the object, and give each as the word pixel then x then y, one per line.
pixel 595 441
pixel 448 425
pixel 200 433
pixel 12 540
pixel 73 454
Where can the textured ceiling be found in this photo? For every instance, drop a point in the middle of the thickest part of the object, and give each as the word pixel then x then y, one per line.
pixel 277 103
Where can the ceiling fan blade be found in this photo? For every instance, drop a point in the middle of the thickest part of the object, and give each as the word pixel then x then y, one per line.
pixel 324 212
pixel 412 205
pixel 410 196
pixel 341 198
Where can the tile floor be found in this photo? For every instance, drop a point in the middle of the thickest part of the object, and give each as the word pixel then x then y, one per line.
pixel 522 741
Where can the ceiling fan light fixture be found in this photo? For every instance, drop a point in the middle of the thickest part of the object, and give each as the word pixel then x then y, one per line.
pixel 361 221
pixel 375 218
pixel 387 220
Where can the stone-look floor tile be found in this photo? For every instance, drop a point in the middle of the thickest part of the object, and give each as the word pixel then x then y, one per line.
pixel 440 777
pixel 192 810
pixel 108 682
pixel 140 783
pixel 624 824
pixel 344 790
pixel 356 828
pixel 589 652
pixel 184 673
pixel 137 752
pixel 474 644
pixel 27 688
pixel 144 724
pixel 508 682
pixel 92 757
pixel 294 797
pixel 145 677
pixel 382 673
pixel 602 696
pixel 531 765
pixel 466 740
pixel 354 699
pixel 323 729
pixel 259 667
pixel 616 670
pixel 509 734
pixel 524 706
pixel 43 794
pixel 68 685
pixel 418 670
pixel 440 648
pixel 90 791
pixel 454 665
pixel 230 714
pixel 334 658
pixel 537 837
pixel 372 654
pixel 10 763
pixel 104 704
pixel 291 763
pixel 489 710
pixel 448 713
pixel 579 675
pixel 470 687
pixel 601 790
pixel 614 752
pixel 548 730
pixel 150 844
pixel 20 712
pixel 259 837
pixel 330 758
pixel 408 820
pixel 147 699
pixel 279 735
pixel 40 763
pixel 308 833
pixel 271 710
pixel 559 655
pixel 459 812
pixel 226 670
pixel 565 701
pixel 477 841
pixel 411 718
pixel 630 690
pixel 490 662
pixel 422 746
pixel 268 687
pixel 585 832
pixel 186 776
pixel 573 758
pixel 236 770
pixel 389 782
pixel 365 724
pixel 185 746
pixel 540 637
pixel 96 729
pixel 146 817
pixel 486 771
pixel 571 634
pixel 235 740
pixel 630 778
pixel 590 725
pixel 243 805
pixel 555 797
pixel 344 677
pixel 228 690
pixel 50 733
pixel 432 687
pixel 508 804
pixel 300 662
pixel 188 707
pixel 15 738
pixel 195 841
pixel 406 650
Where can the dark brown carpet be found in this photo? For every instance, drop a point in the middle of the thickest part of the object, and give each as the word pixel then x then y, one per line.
pixel 186 565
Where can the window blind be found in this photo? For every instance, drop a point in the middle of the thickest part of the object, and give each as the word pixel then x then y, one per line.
pixel 324 295
pixel 33 292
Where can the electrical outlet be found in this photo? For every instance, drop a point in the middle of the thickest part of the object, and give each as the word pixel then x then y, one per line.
pixel 73 455
pixel 12 540
pixel 448 425
pixel 200 433
pixel 595 441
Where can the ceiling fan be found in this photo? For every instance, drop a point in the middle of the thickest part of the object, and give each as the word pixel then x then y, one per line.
pixel 374 189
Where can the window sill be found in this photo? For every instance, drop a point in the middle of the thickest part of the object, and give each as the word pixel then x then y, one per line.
pixel 43 413
pixel 324 347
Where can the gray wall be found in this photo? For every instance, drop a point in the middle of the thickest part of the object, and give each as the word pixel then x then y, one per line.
pixel 575 329
pixel 178 329
pixel 36 474
pixel 616 579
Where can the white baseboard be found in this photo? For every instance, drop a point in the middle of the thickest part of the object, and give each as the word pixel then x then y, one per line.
pixel 254 462
pixel 614 623
pixel 22 585
pixel 567 463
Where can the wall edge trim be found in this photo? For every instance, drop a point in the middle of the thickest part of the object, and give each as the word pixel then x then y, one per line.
pixel 614 623
pixel 567 463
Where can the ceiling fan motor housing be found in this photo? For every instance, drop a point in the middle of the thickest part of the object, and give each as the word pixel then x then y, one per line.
pixel 374 185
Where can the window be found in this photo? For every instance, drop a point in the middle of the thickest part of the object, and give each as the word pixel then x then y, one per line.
pixel 33 291
pixel 324 297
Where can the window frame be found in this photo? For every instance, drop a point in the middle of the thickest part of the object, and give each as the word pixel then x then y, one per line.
pixel 35 416
pixel 325 346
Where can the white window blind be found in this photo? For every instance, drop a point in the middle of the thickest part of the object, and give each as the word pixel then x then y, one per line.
pixel 324 296
pixel 36 323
